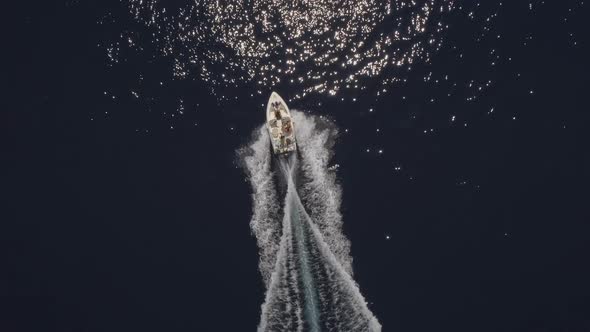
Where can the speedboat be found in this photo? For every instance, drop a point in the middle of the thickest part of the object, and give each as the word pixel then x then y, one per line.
pixel 280 125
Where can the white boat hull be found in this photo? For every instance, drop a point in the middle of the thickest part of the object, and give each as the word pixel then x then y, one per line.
pixel 280 125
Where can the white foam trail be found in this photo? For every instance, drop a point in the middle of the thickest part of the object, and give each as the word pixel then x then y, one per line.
pixel 322 195
pixel 305 260
pixel 293 215
pixel 266 210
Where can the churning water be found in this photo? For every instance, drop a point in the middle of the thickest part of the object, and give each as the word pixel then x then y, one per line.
pixel 304 256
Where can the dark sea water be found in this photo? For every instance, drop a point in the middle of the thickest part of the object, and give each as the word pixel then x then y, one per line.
pixel 125 207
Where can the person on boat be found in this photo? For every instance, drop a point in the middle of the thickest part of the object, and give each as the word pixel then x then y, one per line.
pixel 287 127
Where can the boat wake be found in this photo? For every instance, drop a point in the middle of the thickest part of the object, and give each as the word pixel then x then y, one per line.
pixel 305 259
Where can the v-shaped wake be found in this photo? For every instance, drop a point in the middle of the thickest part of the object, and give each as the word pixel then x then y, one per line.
pixel 305 259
